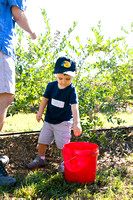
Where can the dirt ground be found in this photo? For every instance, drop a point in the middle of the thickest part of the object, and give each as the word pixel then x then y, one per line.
pixel 21 149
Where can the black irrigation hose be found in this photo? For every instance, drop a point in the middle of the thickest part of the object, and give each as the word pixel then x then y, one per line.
pixel 108 129
pixel 18 133
pixel 93 130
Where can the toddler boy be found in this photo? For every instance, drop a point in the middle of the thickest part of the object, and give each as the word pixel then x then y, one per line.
pixel 62 112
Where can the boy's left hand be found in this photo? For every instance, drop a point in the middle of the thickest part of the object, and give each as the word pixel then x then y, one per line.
pixel 77 129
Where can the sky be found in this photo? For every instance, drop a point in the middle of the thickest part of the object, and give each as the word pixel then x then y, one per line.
pixel 112 13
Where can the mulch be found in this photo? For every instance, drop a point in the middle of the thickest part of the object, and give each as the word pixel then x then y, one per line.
pixel 22 149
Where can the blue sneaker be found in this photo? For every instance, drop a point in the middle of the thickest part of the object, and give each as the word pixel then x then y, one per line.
pixel 4 178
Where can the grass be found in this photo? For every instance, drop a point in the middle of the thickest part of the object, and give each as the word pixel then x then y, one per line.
pixel 22 122
pixel 110 184
pixel 125 117
pixel 27 122
pixel 113 182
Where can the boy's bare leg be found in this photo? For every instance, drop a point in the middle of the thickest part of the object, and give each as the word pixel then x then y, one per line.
pixel 5 100
pixel 38 162
pixel 42 149
pixel 62 155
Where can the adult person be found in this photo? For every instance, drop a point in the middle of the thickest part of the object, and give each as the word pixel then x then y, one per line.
pixel 11 12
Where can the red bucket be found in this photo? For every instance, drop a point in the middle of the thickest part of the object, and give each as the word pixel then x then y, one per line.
pixel 80 160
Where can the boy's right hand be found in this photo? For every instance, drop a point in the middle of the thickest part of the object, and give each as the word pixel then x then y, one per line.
pixel 38 116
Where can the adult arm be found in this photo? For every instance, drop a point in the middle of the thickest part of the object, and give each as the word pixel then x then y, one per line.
pixel 76 120
pixel 22 21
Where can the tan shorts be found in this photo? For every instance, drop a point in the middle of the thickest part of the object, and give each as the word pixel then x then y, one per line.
pixel 61 133
pixel 7 74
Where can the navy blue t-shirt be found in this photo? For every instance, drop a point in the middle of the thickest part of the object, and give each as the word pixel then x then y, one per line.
pixel 59 104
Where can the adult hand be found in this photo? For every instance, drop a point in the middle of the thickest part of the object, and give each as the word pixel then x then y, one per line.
pixel 33 35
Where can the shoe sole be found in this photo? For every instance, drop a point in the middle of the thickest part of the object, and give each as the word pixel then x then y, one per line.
pixel 36 166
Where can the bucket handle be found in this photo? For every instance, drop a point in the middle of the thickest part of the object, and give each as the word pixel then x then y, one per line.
pixel 70 159
pixel 96 153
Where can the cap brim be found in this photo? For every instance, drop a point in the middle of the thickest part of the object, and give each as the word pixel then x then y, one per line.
pixel 70 73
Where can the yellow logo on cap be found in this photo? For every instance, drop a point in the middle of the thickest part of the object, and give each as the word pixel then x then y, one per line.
pixel 66 64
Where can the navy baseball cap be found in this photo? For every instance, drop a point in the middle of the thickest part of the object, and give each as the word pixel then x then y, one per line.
pixel 66 66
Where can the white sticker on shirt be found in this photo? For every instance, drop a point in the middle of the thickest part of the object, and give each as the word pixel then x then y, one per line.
pixel 57 103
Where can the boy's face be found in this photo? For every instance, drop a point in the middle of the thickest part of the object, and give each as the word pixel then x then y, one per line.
pixel 63 80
